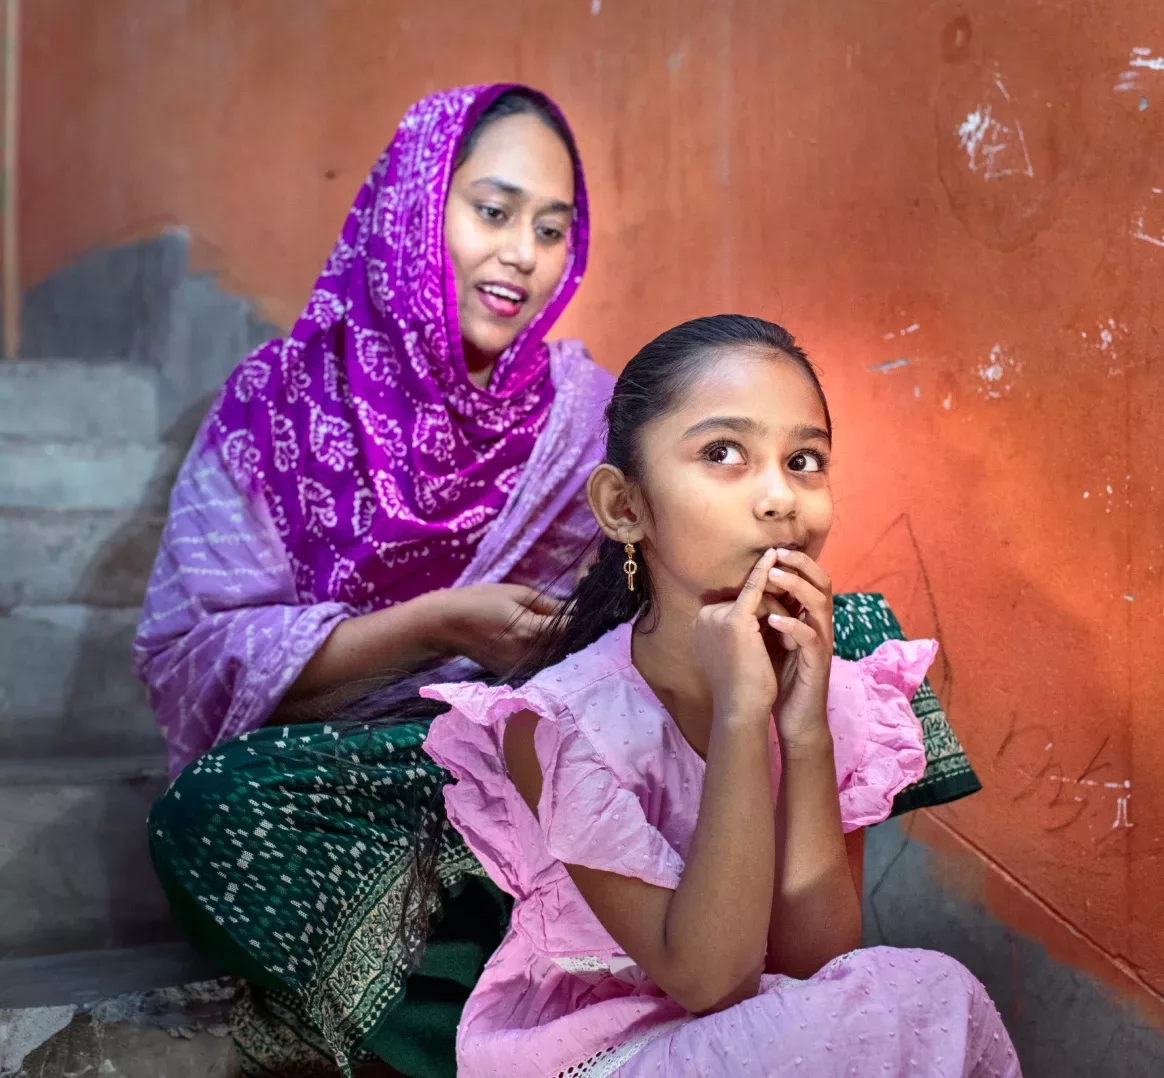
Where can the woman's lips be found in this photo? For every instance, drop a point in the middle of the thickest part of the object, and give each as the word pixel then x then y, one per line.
pixel 503 300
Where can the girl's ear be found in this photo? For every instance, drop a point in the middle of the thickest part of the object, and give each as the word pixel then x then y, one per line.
pixel 616 504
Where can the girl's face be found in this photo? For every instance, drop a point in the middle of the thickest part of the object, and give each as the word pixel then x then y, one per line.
pixel 739 466
pixel 507 222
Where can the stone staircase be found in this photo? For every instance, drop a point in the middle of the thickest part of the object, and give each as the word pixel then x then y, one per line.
pixel 85 474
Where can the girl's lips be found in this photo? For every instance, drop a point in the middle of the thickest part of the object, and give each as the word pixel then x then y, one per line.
pixel 505 301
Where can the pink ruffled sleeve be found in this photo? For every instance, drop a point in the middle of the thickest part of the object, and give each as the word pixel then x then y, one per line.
pixel 585 815
pixel 878 739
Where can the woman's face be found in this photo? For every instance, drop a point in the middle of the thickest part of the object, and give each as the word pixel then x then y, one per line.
pixel 740 465
pixel 507 223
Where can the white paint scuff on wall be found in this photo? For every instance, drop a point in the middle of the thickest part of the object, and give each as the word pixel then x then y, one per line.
pixel 1140 61
pixel 997 373
pixel 1154 233
pixel 994 148
pixel 1108 334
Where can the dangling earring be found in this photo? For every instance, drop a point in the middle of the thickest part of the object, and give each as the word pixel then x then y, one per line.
pixel 630 566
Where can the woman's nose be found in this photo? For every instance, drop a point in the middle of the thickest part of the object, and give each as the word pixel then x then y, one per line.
pixel 520 248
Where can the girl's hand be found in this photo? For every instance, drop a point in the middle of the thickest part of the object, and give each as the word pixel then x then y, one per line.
pixel 732 651
pixel 804 652
pixel 492 624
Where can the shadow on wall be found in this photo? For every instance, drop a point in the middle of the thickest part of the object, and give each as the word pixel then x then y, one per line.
pixel 140 302
pixel 1064 1024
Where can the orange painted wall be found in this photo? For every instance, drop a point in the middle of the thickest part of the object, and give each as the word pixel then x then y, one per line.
pixel 973 188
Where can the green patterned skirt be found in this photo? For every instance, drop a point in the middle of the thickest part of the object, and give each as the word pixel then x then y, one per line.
pixel 315 863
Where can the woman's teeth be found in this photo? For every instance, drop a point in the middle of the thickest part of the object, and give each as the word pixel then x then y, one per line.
pixel 502 293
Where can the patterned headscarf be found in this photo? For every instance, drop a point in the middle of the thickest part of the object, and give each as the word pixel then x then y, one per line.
pixel 381 463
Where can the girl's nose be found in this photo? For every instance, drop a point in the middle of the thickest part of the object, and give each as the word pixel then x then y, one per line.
pixel 776 498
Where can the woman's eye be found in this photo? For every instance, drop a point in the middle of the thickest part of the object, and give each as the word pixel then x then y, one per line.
pixel 724 453
pixel 806 462
pixel 551 235
pixel 490 213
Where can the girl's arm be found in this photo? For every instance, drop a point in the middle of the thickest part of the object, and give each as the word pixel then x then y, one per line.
pixel 703 943
pixel 816 904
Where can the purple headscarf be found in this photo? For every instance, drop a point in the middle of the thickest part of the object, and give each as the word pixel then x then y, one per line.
pixel 381 463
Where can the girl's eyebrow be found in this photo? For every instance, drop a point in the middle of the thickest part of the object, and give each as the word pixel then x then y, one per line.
pixel 738 423
pixel 804 432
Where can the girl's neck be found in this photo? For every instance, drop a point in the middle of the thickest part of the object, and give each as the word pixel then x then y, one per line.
pixel 664 655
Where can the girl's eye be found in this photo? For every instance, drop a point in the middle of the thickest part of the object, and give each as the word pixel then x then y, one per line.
pixel 724 453
pixel 807 461
pixel 551 235
pixel 491 213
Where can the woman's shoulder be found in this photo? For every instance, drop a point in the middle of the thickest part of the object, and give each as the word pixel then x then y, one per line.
pixel 572 367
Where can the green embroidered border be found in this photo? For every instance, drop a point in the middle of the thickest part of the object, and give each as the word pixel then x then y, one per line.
pixel 861 622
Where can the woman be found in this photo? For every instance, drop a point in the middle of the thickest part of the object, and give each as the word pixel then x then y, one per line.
pixel 391 487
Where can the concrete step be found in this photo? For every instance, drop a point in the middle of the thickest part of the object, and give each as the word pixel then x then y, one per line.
pixel 67 685
pixel 100 557
pixel 37 473
pixel 104 400
pixel 74 856
pixel 85 976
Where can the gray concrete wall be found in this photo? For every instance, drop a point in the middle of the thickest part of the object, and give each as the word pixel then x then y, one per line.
pixel 1064 1023
pixel 141 302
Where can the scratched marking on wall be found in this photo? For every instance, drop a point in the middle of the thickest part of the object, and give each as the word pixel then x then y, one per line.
pixel 1106 339
pixel 1074 792
pixel 995 148
pixel 1148 221
pixel 996 374
pixel 1142 65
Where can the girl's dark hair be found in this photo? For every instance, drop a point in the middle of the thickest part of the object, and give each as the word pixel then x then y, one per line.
pixel 650 385
pixel 515 102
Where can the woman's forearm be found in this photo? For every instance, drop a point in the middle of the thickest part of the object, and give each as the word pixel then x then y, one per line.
pixel 393 641
pixel 816 912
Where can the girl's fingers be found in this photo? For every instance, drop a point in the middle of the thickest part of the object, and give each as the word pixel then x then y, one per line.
pixel 773 606
pixel 816 605
pixel 748 601
pixel 802 635
pixel 807 568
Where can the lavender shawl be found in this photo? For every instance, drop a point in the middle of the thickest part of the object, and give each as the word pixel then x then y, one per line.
pixel 353 464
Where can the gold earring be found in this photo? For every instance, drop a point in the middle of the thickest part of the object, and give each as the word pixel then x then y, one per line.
pixel 630 566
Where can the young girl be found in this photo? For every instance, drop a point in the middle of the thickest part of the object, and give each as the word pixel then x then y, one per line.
pixel 677 801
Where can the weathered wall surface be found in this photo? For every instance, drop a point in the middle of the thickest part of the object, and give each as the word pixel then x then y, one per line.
pixel 959 208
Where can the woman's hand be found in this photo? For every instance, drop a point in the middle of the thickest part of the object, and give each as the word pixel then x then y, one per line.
pixel 492 624
pixel 731 648
pixel 803 657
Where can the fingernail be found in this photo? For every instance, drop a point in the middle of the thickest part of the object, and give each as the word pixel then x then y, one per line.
pixel 773 573
pixel 782 553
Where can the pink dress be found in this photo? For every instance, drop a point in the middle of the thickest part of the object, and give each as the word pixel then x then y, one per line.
pixel 621 793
